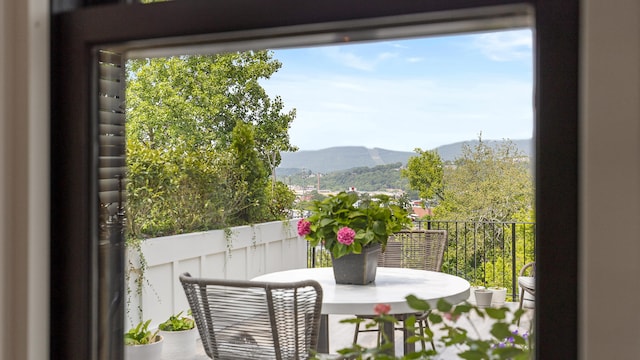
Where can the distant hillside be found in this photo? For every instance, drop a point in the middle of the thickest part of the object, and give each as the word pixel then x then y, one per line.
pixel 348 157
pixel 340 158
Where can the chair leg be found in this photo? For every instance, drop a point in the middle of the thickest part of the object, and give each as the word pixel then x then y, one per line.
pixel 424 323
pixel 421 325
pixel 355 334
pixel 521 302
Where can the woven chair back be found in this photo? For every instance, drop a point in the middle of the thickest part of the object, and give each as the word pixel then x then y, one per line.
pixel 255 320
pixel 415 249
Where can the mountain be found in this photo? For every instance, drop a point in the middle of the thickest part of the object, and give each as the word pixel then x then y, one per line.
pixel 347 157
pixel 340 158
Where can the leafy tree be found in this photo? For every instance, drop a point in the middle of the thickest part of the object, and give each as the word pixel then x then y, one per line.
pixel 487 184
pixel 280 200
pixel 251 174
pixel 425 173
pixel 174 191
pixel 201 136
pixel 197 100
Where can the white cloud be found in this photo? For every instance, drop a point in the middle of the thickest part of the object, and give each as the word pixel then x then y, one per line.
pixel 350 59
pixel 505 45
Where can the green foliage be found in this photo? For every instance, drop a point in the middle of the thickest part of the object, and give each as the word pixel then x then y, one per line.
pixel 280 200
pixel 425 173
pixel 199 99
pixel 487 184
pixel 177 323
pixel 251 174
pixel 176 191
pixel 373 220
pixel 375 178
pixel 141 335
pixel 505 340
pixel 201 136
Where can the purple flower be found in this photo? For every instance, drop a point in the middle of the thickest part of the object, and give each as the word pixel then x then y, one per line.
pixel 304 227
pixel 346 236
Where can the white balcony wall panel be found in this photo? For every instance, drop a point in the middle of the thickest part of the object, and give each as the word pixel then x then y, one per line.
pixel 239 253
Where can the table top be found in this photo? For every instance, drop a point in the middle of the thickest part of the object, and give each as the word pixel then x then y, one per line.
pixel 391 286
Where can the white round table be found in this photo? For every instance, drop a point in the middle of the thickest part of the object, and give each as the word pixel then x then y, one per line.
pixel 392 285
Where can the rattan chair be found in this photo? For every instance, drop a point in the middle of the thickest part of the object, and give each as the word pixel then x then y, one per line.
pixel 527 281
pixel 414 249
pixel 255 320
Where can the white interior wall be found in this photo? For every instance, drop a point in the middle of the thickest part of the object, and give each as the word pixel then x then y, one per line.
pixel 610 176
pixel 24 173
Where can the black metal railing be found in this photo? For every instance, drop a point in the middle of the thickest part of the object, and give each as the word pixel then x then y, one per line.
pixel 484 253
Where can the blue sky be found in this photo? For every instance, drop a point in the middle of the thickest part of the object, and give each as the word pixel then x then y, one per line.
pixel 407 94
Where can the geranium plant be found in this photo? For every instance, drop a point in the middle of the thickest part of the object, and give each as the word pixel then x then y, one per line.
pixel 344 223
pixel 504 341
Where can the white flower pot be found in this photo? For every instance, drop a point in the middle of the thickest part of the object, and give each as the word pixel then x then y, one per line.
pixel 151 351
pixel 472 294
pixel 483 297
pixel 179 345
pixel 499 296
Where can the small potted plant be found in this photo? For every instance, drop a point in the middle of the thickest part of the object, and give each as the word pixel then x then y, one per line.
pixel 179 333
pixel 346 225
pixel 142 344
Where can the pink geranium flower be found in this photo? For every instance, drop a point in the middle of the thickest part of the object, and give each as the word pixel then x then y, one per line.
pixel 346 236
pixel 304 227
pixel 382 309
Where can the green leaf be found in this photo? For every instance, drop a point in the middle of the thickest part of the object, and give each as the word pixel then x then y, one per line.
pixel 498 314
pixel 500 330
pixel 473 355
pixel 443 306
pixel 418 304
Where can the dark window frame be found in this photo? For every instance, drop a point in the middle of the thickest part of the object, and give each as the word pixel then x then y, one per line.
pixel 74 229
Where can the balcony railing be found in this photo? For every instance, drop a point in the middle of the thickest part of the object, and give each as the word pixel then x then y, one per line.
pixel 484 253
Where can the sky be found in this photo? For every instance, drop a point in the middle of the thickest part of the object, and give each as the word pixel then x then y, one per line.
pixel 406 94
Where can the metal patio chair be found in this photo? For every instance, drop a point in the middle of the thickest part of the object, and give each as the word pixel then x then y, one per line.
pixel 527 282
pixel 255 320
pixel 413 249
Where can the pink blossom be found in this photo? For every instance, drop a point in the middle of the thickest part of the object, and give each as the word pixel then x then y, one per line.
pixel 304 227
pixel 346 236
pixel 451 316
pixel 381 309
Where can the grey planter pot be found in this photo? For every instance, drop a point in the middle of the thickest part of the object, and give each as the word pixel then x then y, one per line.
pixel 357 269
pixel 483 297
